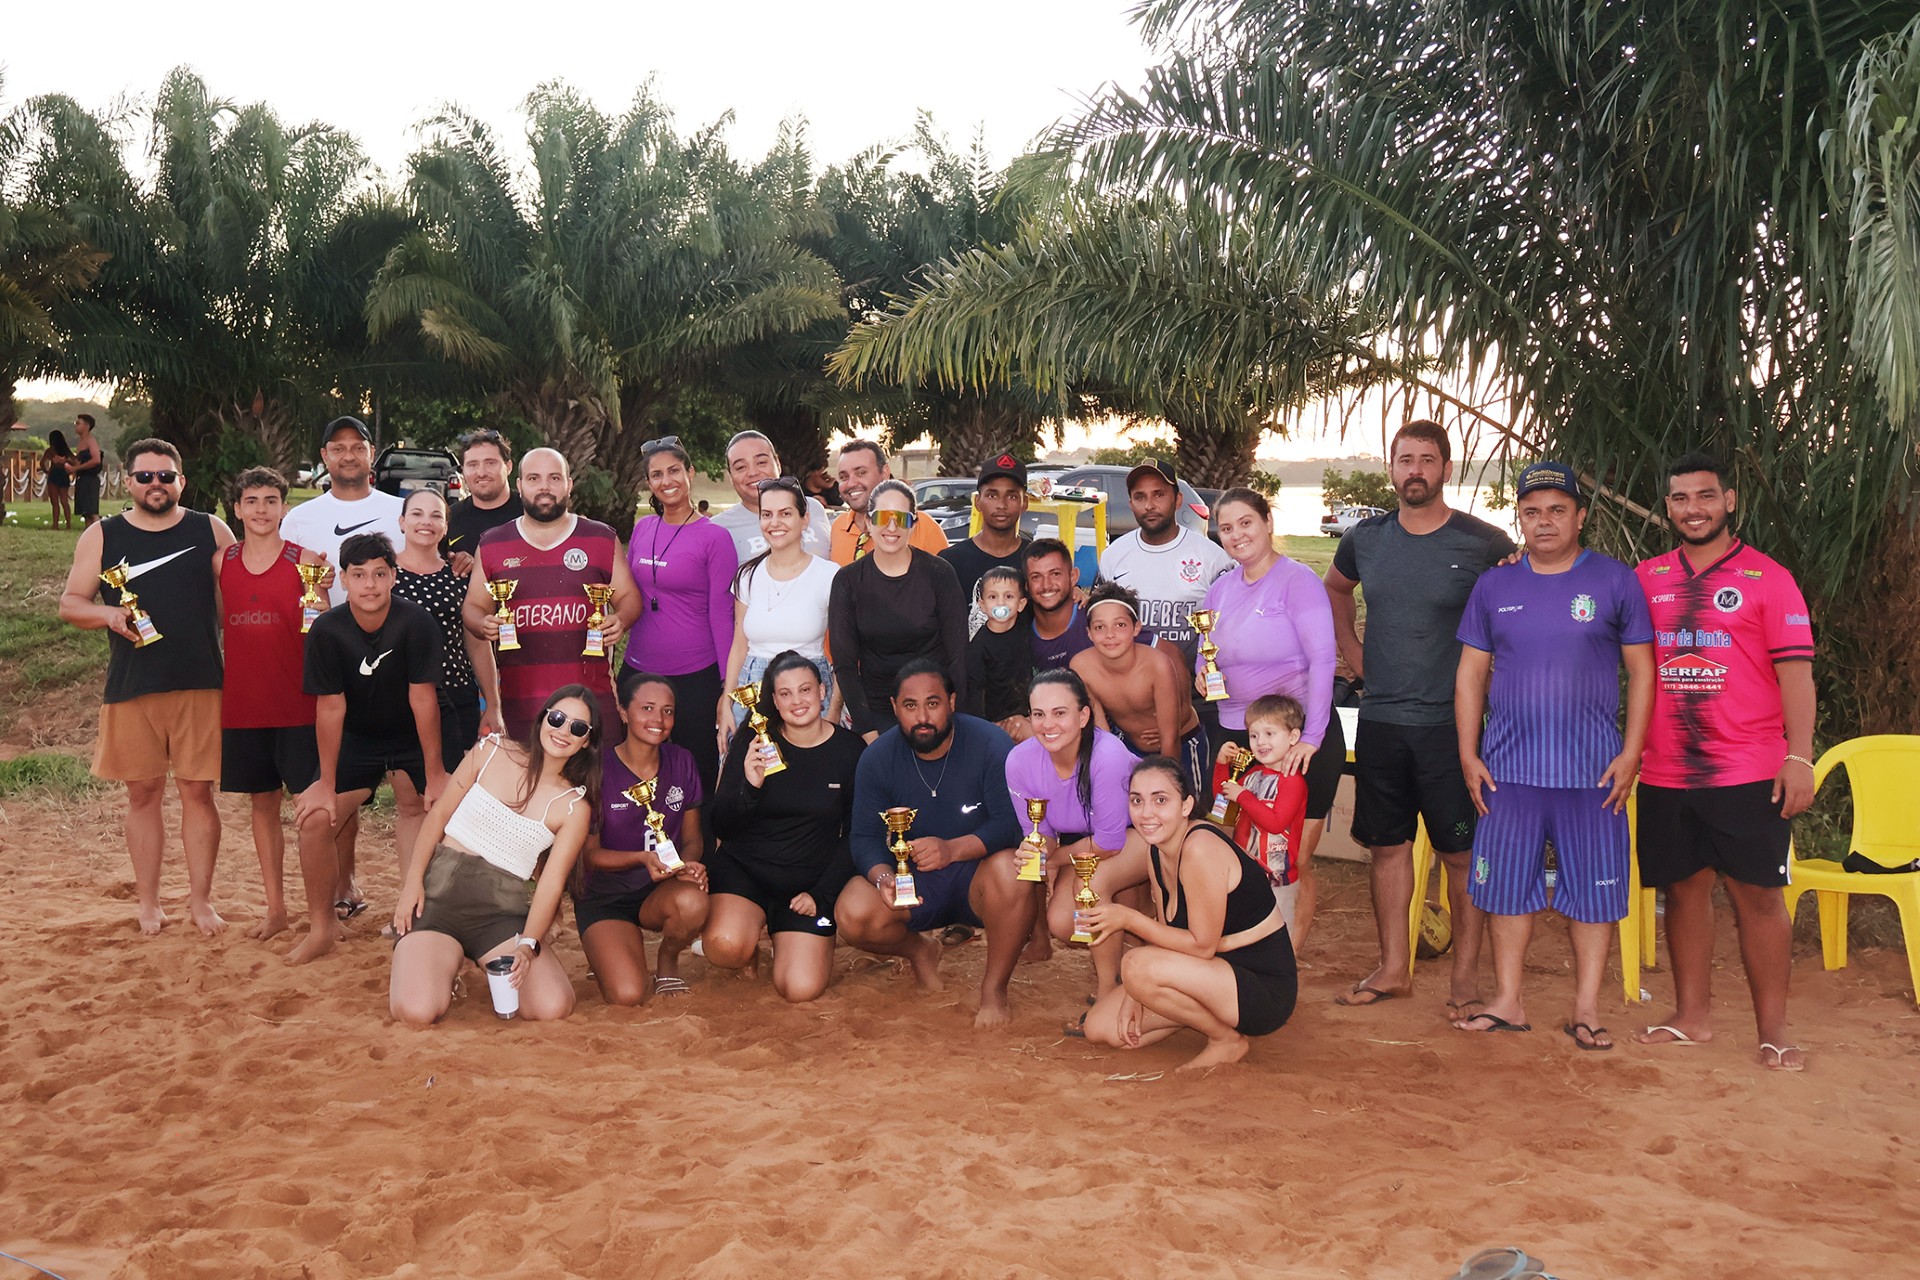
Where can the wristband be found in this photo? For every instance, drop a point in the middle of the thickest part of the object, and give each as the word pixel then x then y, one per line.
pixel 1801 760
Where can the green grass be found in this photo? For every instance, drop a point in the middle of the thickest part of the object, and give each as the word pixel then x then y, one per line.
pixel 38 652
pixel 46 773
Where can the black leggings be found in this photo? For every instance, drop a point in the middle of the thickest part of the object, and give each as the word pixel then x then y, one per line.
pixel 696 695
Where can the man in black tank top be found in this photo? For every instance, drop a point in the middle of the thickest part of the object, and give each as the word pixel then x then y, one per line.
pixel 161 712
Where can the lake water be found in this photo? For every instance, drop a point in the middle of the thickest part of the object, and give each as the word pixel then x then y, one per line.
pixel 1298 509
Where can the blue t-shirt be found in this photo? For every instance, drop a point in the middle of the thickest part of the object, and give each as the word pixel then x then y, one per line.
pixel 1553 707
pixel 971 780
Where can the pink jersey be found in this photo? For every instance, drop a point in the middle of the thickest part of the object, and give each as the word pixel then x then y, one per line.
pixel 1716 635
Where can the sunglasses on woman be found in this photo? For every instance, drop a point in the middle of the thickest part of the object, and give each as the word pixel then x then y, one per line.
pixel 890 519
pixel 559 719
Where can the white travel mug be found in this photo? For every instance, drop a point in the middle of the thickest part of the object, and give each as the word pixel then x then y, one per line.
pixel 506 996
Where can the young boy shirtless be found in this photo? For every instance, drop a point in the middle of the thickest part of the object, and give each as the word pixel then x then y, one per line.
pixel 1141 692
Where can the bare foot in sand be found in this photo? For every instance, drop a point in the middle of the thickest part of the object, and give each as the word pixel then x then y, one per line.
pixel 1037 951
pixel 152 920
pixel 276 922
pixel 925 959
pixel 317 943
pixel 1218 1053
pixel 1674 1031
pixel 207 919
pixel 994 1013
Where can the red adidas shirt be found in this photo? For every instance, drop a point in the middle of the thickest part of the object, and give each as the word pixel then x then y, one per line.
pixel 265 652
pixel 1717 720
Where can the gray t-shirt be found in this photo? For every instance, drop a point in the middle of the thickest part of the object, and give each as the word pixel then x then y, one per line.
pixel 1416 588
pixel 743 524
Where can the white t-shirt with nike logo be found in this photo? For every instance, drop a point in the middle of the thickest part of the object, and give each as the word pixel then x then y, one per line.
pixel 321 524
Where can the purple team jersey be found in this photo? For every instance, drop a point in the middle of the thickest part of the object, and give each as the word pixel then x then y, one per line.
pixel 1553 707
pixel 685 575
pixel 1031 776
pixel 623 827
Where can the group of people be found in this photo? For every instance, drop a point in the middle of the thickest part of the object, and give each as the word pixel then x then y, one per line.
pixel 712 733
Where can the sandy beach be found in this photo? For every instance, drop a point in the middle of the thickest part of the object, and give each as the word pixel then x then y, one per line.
pixel 186 1107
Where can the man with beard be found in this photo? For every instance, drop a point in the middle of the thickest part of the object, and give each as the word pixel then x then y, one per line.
pixel 550 555
pixel 862 465
pixel 1417 565
pixel 751 459
pixel 162 707
pixel 486 468
pixel 1000 496
pixel 1167 565
pixel 351 505
pixel 1729 756
pixel 951 769
pixel 1059 625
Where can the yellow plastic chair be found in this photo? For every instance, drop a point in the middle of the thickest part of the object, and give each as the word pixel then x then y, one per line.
pixel 1883 772
pixel 1066 512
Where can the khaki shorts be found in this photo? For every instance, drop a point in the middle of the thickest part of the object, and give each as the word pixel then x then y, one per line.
pixel 160 733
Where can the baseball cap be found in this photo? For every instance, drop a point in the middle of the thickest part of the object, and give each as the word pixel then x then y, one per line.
pixel 1159 467
pixel 1548 475
pixel 344 424
pixel 1004 464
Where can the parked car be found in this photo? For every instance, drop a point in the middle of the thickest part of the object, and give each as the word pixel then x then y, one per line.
pixel 1337 521
pixel 1193 513
pixel 949 501
pixel 400 470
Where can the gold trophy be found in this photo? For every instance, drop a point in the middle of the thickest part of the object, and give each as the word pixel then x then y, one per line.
pixel 116 577
pixel 1033 849
pixel 748 696
pixel 1204 621
pixel 501 589
pixel 1084 898
pixel 1237 764
pixel 898 819
pixel 601 594
pixel 641 793
pixel 311 603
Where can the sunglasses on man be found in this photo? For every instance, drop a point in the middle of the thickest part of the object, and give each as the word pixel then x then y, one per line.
pixel 155 477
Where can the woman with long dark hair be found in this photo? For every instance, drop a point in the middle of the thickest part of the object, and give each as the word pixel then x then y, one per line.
pixel 57 461
pixel 493 858
pixel 683 564
pixel 1080 770
pixel 780 603
pixel 890 607
pixel 466 661
pixel 625 887
pixel 783 857
pixel 1216 956
pixel 1276 636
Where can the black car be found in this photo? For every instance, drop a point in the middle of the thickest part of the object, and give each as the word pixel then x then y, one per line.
pixel 400 470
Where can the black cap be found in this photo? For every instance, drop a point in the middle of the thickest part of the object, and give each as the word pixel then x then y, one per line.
pixel 1004 464
pixel 338 425
pixel 1159 467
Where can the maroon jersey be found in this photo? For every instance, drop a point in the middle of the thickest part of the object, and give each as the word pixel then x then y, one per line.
pixel 260 631
pixel 550 609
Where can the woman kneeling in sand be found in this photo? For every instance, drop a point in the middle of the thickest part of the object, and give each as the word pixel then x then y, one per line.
pixel 472 889
pixel 1221 962
pixel 783 857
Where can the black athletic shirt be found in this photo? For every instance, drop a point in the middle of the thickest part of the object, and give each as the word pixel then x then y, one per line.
pixel 374 668
pixel 970 563
pixel 796 821
pixel 171 574
pixel 466 522
pixel 878 624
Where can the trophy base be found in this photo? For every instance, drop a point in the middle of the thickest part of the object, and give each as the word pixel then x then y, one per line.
pixel 308 616
pixel 1033 872
pixel 509 638
pixel 596 645
pixel 904 893
pixel 1219 811
pixel 1080 938
pixel 775 764
pixel 1081 934
pixel 1216 687
pixel 148 633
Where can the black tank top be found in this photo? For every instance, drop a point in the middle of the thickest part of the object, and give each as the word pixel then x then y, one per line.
pixel 172 575
pixel 1248 903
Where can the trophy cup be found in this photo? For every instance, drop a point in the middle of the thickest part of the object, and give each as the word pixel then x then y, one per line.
pixel 1084 898
pixel 116 577
pixel 1033 849
pixel 1204 621
pixel 501 589
pixel 641 793
pixel 601 594
pixel 1237 765
pixel 748 696
pixel 898 819
pixel 311 605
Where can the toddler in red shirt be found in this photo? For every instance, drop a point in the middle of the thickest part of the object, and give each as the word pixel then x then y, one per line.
pixel 1266 807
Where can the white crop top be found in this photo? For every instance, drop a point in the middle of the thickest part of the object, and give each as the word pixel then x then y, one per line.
pixel 484 824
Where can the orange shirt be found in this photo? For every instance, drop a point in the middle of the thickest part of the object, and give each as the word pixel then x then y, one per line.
pixel 926 535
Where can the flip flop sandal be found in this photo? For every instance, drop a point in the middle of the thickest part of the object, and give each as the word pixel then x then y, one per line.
pixel 955 935
pixel 1780 1052
pixel 671 987
pixel 1346 1001
pixel 1679 1037
pixel 347 908
pixel 1458 1008
pixel 1591 1044
pixel 1077 1028
pixel 1494 1023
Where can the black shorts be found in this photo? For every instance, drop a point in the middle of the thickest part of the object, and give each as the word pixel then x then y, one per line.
pixel 591 908
pixel 1737 831
pixel 771 891
pixel 1405 772
pixel 459 724
pixel 366 762
pixel 256 760
pixel 1324 771
pixel 86 493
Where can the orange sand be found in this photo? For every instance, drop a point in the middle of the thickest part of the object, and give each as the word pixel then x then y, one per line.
pixel 185 1107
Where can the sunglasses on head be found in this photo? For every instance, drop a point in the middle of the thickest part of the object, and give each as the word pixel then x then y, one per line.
pixel 788 483
pixel 664 442
pixel 155 477
pixel 892 519
pixel 559 719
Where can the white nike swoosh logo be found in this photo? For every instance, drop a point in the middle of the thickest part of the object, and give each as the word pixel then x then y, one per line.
pixel 968 808
pixel 134 571
pixel 368 668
